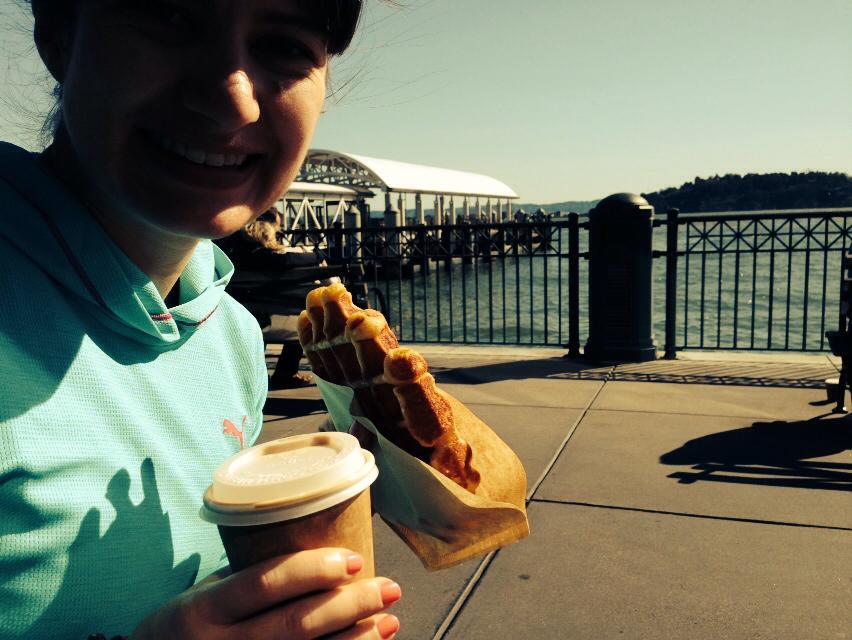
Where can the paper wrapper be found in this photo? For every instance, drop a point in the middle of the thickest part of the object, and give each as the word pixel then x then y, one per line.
pixel 440 521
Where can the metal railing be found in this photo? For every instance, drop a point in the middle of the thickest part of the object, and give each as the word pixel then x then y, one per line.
pixel 748 281
pixel 756 281
pixel 482 283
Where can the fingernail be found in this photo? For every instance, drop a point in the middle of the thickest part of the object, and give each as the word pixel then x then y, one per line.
pixel 387 626
pixel 354 563
pixel 390 593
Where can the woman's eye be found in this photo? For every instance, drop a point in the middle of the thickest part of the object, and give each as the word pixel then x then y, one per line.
pixel 285 54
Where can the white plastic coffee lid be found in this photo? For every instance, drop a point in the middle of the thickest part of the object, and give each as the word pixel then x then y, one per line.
pixel 288 478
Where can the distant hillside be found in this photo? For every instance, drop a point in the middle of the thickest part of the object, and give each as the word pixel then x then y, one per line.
pixel 753 192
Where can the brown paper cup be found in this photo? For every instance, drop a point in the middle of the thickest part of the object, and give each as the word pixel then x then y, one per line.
pixel 294 494
pixel 347 525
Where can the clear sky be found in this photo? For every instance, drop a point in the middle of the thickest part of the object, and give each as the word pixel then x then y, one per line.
pixel 571 99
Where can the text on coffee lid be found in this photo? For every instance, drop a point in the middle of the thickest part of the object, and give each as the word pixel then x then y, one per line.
pixel 284 465
pixel 288 469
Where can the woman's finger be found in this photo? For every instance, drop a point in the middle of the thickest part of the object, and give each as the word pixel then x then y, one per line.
pixel 322 614
pixel 216 576
pixel 379 627
pixel 274 581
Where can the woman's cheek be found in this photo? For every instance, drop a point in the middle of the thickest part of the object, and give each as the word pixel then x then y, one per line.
pixel 296 118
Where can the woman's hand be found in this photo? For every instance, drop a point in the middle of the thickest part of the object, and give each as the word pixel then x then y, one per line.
pixel 305 595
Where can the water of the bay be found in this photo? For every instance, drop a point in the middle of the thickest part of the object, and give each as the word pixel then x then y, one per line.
pixel 751 300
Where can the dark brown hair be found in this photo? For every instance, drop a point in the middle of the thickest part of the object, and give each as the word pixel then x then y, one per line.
pixel 56 17
pixel 340 17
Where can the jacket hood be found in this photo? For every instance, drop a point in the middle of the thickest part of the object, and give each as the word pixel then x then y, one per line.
pixel 40 217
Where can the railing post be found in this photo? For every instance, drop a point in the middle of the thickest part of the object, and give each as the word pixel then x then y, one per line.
pixel 392 260
pixel 573 285
pixel 446 243
pixel 671 283
pixel 354 239
pixel 467 247
pixel 335 242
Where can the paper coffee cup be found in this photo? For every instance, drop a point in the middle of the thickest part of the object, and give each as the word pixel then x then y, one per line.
pixel 293 494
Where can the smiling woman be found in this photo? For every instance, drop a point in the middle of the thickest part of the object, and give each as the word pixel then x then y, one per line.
pixel 125 367
pixel 181 87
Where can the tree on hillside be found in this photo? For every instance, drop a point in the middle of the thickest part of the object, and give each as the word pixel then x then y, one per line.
pixel 754 191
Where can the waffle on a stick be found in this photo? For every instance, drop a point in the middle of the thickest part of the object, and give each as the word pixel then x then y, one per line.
pixel 337 309
pixel 319 341
pixel 357 348
pixel 429 416
pixel 372 338
pixel 306 339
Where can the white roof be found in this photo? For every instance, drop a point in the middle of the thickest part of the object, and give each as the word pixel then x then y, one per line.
pixel 320 188
pixel 417 178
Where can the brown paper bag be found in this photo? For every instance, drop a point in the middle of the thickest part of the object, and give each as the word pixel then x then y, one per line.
pixel 440 521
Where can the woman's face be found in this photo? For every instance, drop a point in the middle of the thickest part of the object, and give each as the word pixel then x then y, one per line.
pixel 191 116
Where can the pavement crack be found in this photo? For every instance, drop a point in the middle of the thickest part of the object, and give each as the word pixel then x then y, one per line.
pixel 474 580
pixel 518 405
pixel 564 443
pixel 683 514
pixel 691 415
pixel 464 596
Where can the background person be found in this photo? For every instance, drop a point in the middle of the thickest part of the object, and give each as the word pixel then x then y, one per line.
pixel 258 247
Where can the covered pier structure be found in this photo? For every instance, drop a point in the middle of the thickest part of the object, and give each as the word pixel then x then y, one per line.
pixel 454 195
pixel 308 205
pixel 328 207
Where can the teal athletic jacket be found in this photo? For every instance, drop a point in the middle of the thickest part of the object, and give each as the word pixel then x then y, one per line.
pixel 114 413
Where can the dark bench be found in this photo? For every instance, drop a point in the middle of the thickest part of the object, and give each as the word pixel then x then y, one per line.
pixel 276 298
pixel 840 341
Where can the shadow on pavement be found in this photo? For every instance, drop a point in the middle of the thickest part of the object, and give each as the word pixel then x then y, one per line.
pixel 728 373
pixel 664 371
pixel 293 407
pixel 780 454
pixel 483 373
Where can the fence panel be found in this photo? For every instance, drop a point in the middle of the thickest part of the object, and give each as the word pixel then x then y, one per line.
pixel 481 283
pixel 755 281
pixel 747 281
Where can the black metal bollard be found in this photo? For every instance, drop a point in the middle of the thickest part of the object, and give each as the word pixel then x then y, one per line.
pixel 620 263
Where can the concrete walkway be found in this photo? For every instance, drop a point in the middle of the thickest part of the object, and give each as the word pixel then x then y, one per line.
pixel 708 497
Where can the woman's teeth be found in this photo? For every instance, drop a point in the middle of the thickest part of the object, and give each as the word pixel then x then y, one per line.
pixel 202 157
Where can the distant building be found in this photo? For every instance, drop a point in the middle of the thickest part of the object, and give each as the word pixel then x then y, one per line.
pixel 330 182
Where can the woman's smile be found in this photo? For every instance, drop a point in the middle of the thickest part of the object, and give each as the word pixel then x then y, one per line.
pixel 198 165
pixel 224 158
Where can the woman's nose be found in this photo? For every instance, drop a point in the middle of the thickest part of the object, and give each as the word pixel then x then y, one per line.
pixel 229 101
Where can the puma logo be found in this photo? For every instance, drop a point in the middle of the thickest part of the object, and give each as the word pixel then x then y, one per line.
pixel 230 429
